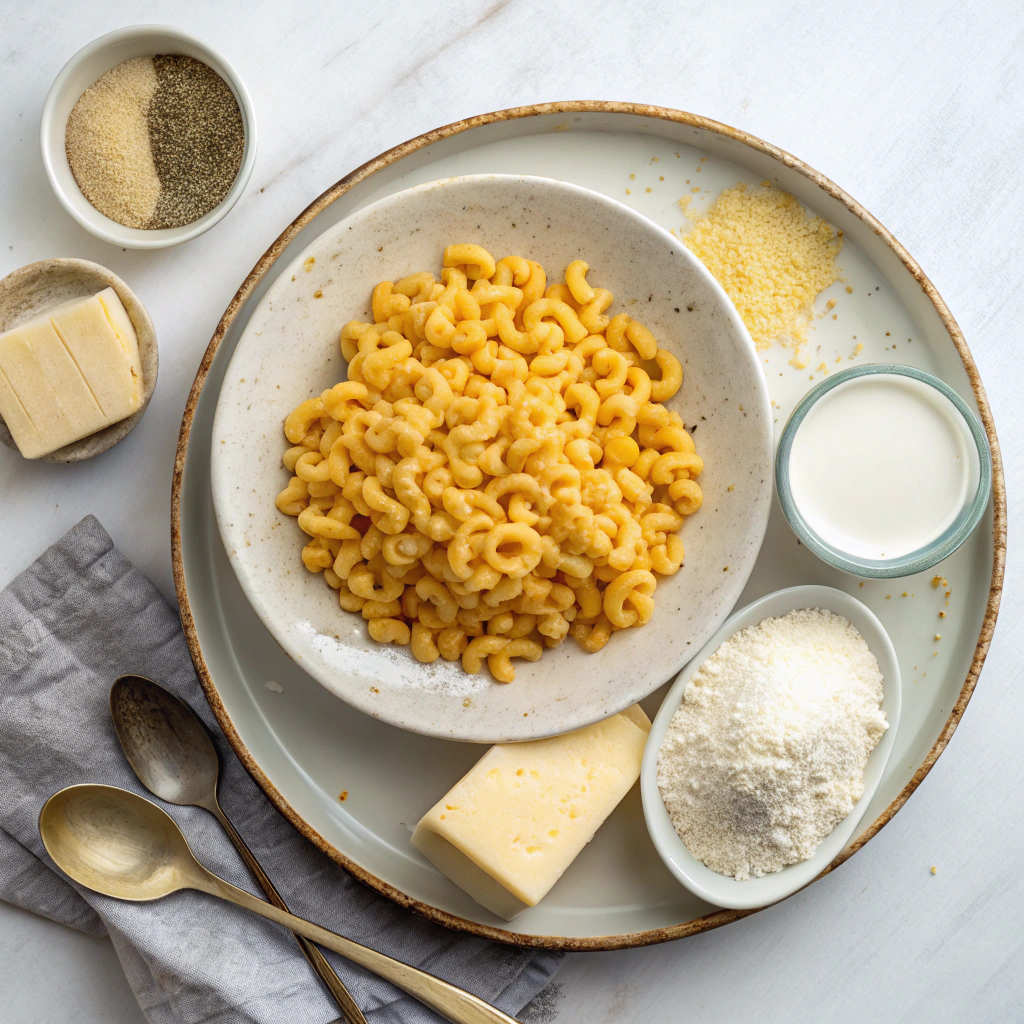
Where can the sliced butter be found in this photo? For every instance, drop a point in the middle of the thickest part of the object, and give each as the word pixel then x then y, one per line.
pixel 18 420
pixel 68 373
pixel 509 829
pixel 102 341
pixel 48 387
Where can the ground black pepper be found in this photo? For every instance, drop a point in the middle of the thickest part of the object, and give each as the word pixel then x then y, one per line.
pixel 197 138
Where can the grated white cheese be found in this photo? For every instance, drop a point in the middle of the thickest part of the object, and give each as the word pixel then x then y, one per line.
pixel 766 753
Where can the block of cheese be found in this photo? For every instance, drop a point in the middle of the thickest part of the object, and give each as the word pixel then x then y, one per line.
pixel 69 372
pixel 508 830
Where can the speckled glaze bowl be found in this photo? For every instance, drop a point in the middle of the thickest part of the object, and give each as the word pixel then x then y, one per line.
pixel 289 352
pixel 31 290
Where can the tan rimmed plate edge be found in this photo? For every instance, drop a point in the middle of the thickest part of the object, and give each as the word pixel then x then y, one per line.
pixel 267 260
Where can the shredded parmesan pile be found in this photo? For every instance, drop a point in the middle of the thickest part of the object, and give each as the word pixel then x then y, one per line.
pixel 771 258
pixel 767 751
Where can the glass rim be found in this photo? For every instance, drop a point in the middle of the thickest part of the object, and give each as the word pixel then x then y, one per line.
pixel 914 561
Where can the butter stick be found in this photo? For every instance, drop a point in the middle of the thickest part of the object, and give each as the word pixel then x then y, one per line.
pixel 50 392
pixel 101 339
pixel 18 420
pixel 508 830
pixel 69 372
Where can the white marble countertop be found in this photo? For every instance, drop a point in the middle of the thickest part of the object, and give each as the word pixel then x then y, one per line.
pixel 914 108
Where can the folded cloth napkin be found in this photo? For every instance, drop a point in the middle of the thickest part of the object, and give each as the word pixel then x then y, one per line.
pixel 76 619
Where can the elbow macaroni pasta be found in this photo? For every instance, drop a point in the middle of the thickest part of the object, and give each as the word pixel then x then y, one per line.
pixel 498 471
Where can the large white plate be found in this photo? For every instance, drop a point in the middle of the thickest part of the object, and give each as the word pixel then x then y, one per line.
pixel 305 747
pixel 289 352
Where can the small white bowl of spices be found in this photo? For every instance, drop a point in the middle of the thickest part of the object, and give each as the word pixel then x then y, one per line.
pixel 770 745
pixel 148 137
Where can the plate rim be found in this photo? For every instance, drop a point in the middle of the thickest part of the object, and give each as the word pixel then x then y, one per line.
pixel 270 257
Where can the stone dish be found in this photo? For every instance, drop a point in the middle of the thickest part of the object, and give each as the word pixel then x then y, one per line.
pixel 32 290
pixel 289 352
pixel 721 890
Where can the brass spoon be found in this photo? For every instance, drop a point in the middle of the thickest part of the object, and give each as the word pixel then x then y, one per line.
pixel 119 844
pixel 175 759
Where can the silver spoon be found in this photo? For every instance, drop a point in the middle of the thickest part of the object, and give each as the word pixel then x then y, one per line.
pixel 175 759
pixel 122 845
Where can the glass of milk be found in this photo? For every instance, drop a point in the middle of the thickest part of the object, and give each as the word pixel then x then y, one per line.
pixel 883 470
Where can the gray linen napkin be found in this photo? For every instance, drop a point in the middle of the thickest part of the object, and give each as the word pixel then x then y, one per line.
pixel 81 615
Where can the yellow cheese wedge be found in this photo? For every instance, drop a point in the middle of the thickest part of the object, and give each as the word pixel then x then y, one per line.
pixel 508 830
pixel 69 372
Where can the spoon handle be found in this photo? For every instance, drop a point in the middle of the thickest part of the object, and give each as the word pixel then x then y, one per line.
pixel 456 1004
pixel 316 959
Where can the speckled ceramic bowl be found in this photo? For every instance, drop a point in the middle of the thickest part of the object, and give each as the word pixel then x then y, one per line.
pixel 33 289
pixel 289 352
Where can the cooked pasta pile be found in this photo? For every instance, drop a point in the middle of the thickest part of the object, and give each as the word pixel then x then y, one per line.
pixel 498 471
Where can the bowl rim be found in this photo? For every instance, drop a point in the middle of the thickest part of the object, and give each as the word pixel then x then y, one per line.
pixel 222 484
pixel 914 561
pixel 722 890
pixel 110 230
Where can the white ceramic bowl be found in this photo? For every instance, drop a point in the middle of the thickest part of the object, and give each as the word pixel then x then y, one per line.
pixel 289 352
pixel 84 68
pixel 722 890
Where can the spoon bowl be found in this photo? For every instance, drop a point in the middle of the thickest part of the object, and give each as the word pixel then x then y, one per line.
pixel 166 745
pixel 116 843
pixel 174 758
